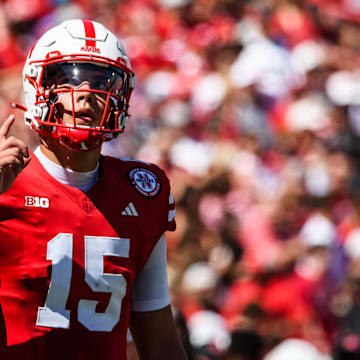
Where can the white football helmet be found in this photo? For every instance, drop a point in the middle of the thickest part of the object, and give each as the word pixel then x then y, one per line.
pixel 74 52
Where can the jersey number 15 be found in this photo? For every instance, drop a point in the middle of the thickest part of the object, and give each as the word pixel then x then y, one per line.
pixel 60 252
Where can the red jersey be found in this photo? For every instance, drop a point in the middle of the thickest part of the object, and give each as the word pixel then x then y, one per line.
pixel 68 259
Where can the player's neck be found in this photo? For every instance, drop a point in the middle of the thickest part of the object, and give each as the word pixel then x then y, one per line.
pixel 75 160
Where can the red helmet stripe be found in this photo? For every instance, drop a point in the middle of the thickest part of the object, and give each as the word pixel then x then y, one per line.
pixel 89 33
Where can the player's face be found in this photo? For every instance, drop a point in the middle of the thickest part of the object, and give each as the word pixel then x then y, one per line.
pixel 88 107
pixel 82 106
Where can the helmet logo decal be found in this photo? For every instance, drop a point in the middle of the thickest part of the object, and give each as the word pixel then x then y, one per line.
pixel 90 48
pixel 90 37
pixel 52 54
pixel 145 182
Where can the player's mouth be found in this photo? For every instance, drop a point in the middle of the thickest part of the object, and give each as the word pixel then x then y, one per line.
pixel 85 117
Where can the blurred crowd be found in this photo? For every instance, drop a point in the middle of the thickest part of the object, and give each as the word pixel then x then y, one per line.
pixel 253 110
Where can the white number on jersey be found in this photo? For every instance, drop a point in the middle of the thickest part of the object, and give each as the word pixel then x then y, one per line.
pixel 60 252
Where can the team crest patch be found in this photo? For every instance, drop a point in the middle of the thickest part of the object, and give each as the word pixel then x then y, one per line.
pixel 145 182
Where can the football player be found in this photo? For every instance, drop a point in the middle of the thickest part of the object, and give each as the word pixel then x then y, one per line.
pixel 82 246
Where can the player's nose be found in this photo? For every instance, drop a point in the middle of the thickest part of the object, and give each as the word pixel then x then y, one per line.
pixel 83 95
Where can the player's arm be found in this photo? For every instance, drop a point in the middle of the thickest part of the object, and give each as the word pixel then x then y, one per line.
pixel 155 335
pixel 14 156
pixel 152 325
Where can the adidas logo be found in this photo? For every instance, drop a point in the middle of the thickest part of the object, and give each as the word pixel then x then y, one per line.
pixel 130 210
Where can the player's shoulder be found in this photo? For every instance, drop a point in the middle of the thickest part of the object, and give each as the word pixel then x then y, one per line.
pixel 147 178
pixel 129 163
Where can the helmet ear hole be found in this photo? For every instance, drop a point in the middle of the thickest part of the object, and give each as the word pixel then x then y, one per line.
pixel 31 71
pixel 27 120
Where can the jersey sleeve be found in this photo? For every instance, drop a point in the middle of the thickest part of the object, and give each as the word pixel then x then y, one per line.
pixel 150 291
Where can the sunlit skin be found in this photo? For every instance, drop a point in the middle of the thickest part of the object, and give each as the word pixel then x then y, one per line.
pixel 89 108
pixel 14 155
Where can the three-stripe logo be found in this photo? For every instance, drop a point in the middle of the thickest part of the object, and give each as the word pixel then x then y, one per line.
pixel 130 210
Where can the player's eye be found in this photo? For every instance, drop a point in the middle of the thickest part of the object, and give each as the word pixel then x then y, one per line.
pixel 99 84
pixel 74 74
pixel 65 79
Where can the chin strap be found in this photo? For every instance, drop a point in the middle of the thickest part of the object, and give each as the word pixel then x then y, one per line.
pixel 79 139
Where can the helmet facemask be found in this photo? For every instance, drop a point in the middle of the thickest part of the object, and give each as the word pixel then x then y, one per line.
pixel 81 128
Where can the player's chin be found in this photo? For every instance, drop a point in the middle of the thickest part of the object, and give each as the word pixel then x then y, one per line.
pixel 86 123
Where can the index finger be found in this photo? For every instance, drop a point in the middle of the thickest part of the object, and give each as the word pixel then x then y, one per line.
pixel 6 126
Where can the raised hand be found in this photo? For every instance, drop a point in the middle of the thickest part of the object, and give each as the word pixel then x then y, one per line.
pixel 14 156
